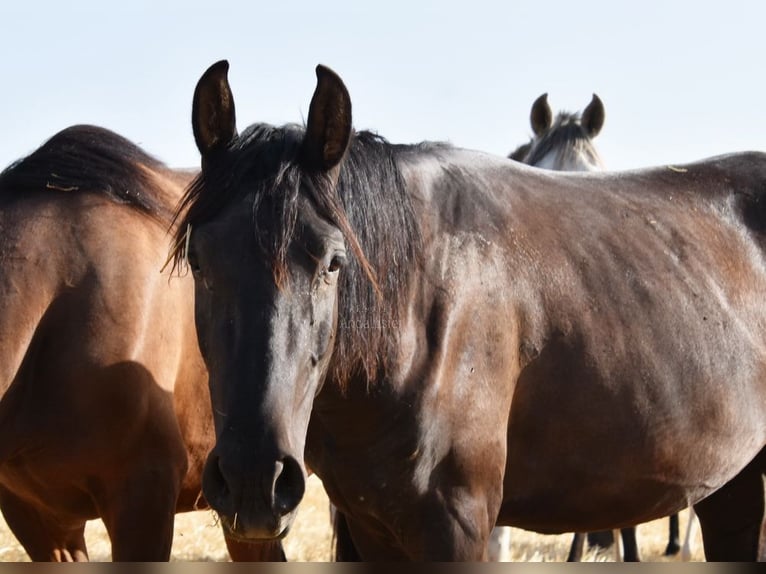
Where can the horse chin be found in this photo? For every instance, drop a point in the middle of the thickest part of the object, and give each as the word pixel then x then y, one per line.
pixel 238 529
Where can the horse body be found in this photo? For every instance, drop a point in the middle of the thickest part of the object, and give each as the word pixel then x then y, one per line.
pixel 526 331
pixel 694 326
pixel 104 405
pixel 526 317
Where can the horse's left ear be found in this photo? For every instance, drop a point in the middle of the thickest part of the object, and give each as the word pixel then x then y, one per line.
pixel 328 130
pixel 592 119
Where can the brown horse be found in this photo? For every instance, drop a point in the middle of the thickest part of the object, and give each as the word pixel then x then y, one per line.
pixel 104 410
pixel 444 334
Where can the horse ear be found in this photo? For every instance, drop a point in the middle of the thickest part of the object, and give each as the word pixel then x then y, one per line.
pixel 213 119
pixel 328 130
pixel 592 119
pixel 541 117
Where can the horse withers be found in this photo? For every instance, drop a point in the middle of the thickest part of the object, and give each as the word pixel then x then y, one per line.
pixel 443 334
pixel 104 407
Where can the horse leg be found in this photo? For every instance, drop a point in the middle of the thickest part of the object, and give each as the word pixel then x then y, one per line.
pixel 629 545
pixel 499 548
pixel 602 539
pixel 686 550
pixel 674 544
pixel 732 517
pixel 270 551
pixel 345 550
pixel 355 543
pixel 577 547
pixel 139 516
pixel 44 539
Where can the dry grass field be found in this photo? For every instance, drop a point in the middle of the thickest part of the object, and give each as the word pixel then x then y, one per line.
pixel 198 538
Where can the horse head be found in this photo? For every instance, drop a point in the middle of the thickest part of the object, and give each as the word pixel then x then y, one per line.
pixel 266 246
pixel 566 142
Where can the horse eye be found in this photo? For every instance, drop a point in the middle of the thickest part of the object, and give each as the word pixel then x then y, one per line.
pixel 336 263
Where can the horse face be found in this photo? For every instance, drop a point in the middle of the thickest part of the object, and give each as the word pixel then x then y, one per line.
pixel 267 348
pixel 564 143
pixel 266 269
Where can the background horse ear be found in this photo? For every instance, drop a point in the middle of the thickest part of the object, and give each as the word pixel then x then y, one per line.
pixel 328 130
pixel 541 117
pixel 592 119
pixel 213 119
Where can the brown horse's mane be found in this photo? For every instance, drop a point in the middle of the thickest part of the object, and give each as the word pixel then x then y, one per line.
pixel 370 205
pixel 90 158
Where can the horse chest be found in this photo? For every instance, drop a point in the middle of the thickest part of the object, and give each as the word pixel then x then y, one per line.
pixel 370 459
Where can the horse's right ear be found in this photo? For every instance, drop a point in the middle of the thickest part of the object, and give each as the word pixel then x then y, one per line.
pixel 541 117
pixel 328 129
pixel 213 119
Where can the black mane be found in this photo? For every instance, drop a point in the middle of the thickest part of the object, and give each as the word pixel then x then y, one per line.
pixel 87 158
pixel 565 134
pixel 370 205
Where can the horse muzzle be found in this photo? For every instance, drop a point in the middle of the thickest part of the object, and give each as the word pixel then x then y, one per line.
pixel 257 504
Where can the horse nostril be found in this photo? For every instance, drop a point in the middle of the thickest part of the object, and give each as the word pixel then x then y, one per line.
pixel 214 486
pixel 289 485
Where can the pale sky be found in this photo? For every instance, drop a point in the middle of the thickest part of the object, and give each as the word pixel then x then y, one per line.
pixel 680 80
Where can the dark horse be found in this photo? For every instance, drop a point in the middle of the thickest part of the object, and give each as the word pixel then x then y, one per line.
pixel 565 143
pixel 104 411
pixel 444 334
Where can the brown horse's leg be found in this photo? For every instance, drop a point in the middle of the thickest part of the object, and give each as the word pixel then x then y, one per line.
pixel 139 516
pixel 357 544
pixel 45 540
pixel 576 549
pixel 255 552
pixel 345 551
pixel 732 517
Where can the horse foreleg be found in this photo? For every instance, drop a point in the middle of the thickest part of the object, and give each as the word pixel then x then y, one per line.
pixel 577 547
pixel 139 517
pixel 732 517
pixel 345 550
pixel 499 548
pixel 44 538
pixel 354 542
pixel 691 524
